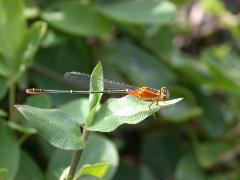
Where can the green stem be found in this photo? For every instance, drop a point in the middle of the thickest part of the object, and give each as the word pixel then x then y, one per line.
pixel 11 101
pixel 23 138
pixel 76 158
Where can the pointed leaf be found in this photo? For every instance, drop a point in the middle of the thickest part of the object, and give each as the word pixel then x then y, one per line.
pixel 28 47
pixel 127 110
pixel 96 85
pixel 77 19
pixel 55 126
pixel 12 27
pixel 94 99
pixel 4 174
pixel 28 168
pixel 211 153
pixel 188 168
pixel 140 12
pixel 97 170
pixel 9 150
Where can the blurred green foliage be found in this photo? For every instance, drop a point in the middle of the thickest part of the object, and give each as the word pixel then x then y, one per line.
pixel 190 47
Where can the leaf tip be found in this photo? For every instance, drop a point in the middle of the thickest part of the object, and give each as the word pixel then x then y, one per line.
pixel 17 106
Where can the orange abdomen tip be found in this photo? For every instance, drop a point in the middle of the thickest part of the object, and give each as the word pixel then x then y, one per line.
pixel 32 91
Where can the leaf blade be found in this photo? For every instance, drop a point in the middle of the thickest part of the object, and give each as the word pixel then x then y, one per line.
pixel 55 126
pixel 116 112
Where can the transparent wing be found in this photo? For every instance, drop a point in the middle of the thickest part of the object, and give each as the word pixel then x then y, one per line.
pixel 81 82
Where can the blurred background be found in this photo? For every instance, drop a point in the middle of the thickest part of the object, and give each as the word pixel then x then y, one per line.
pixel 191 47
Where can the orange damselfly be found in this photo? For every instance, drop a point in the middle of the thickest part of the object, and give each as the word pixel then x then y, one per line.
pixel 82 80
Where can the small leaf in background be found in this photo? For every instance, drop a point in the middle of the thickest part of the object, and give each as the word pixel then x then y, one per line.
pixel 99 149
pixel 115 112
pixel 161 38
pixel 97 170
pixel 166 149
pixel 40 101
pixel 211 153
pixel 12 28
pixel 55 126
pixel 31 10
pixel 66 51
pixel 183 111
pixel 129 171
pixel 76 19
pixel 2 113
pixel 4 174
pixel 28 169
pixel 139 12
pixel 180 113
pixel 59 161
pixel 29 46
pixel 77 109
pixel 138 66
pixel 188 168
pixel 213 120
pixel 9 151
pixel 3 86
pixel 18 44
pixel 65 173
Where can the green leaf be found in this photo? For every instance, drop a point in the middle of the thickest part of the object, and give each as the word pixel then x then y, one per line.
pixel 31 43
pixel 24 128
pixel 213 120
pixel 129 171
pixel 146 173
pixel 137 65
pixel 55 126
pixel 3 86
pixel 96 85
pixel 98 169
pixel 160 152
pixel 2 113
pixel 58 162
pixel 31 10
pixel 183 111
pixel 12 27
pixel 188 168
pixel 4 174
pixel 74 18
pixel 9 151
pixel 98 149
pixel 68 52
pixel 94 99
pixel 28 169
pixel 29 46
pixel 140 12
pixel 40 101
pixel 115 112
pixel 210 153
pixel 77 109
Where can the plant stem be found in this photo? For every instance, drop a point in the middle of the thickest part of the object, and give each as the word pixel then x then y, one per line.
pixel 23 138
pixel 11 101
pixel 76 157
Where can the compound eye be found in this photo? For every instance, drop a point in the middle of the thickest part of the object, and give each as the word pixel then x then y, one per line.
pixel 165 93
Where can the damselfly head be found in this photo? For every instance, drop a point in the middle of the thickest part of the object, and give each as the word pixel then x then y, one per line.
pixel 164 93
